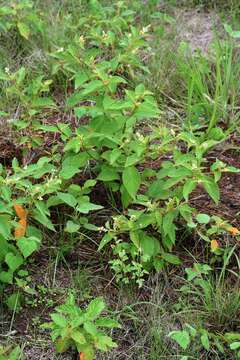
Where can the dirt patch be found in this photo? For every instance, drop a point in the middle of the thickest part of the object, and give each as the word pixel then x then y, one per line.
pixel 40 353
pixel 196 28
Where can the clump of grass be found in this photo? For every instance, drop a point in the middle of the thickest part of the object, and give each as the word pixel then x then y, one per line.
pixel 202 86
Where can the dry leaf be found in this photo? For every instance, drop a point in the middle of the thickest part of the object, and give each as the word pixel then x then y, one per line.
pixel 20 211
pixel 81 356
pixel 20 230
pixel 233 231
pixel 214 245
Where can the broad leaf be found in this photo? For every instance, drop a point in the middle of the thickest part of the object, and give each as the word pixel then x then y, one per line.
pixel 13 261
pixel 181 337
pixel 67 199
pixel 95 308
pixel 203 218
pixel 85 207
pixel 28 245
pixel 205 340
pixel 212 189
pixel 23 29
pixel 105 240
pixel 71 227
pixel 131 180
pixel 172 259
pixel 59 320
pixel 188 187
pixel 108 173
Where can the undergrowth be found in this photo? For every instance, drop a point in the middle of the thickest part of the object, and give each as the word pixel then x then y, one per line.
pixel 111 133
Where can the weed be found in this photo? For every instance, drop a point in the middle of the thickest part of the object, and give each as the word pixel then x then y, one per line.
pixel 93 163
pixel 72 326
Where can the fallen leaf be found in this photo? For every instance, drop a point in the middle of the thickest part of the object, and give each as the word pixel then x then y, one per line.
pixel 233 231
pixel 20 211
pixel 81 356
pixel 20 230
pixel 214 245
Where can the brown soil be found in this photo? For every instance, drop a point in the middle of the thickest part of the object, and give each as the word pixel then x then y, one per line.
pixel 196 28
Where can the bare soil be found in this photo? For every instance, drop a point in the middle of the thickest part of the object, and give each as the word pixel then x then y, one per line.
pixel 196 28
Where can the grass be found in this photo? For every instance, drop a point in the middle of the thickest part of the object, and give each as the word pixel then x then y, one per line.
pixel 195 91
pixel 203 86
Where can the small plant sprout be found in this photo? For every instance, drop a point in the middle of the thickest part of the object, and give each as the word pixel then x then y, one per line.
pixel 81 329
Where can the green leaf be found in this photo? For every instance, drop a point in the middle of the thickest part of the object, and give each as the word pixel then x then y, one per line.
pixel 92 87
pixel 212 189
pixel 84 208
pixel 169 227
pixel 23 29
pixel 74 99
pixel 203 218
pixel 181 337
pixel 62 344
pixel 48 128
pixel 5 226
pixel 158 264
pixel 71 227
pixel 59 320
pixel 87 350
pixel 28 245
pixel 108 323
pixel 147 109
pixel 235 345
pixel 71 165
pixel 231 32
pixel 145 220
pixel 188 187
pixel 181 172
pixel 232 336
pixel 108 174
pixel 16 353
pixel 172 259
pixel 78 337
pixel 35 232
pixel 6 277
pixel 115 154
pixel 5 248
pixel 134 237
pixel 149 244
pixel 104 343
pixel 131 180
pixel 95 308
pixel 80 79
pixel 13 261
pixel 125 197
pixel 67 199
pixel 105 240
pixel 131 160
pixel 43 102
pixel 191 274
pixel 205 340
pixel 192 330
pixel 156 191
pixel 14 302
pixel 113 104
pixel 43 219
pixel 90 328
pixel 171 182
pixel 73 144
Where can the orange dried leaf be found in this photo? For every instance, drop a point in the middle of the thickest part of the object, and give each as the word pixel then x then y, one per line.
pixel 20 230
pixel 81 356
pixel 233 231
pixel 214 245
pixel 20 211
